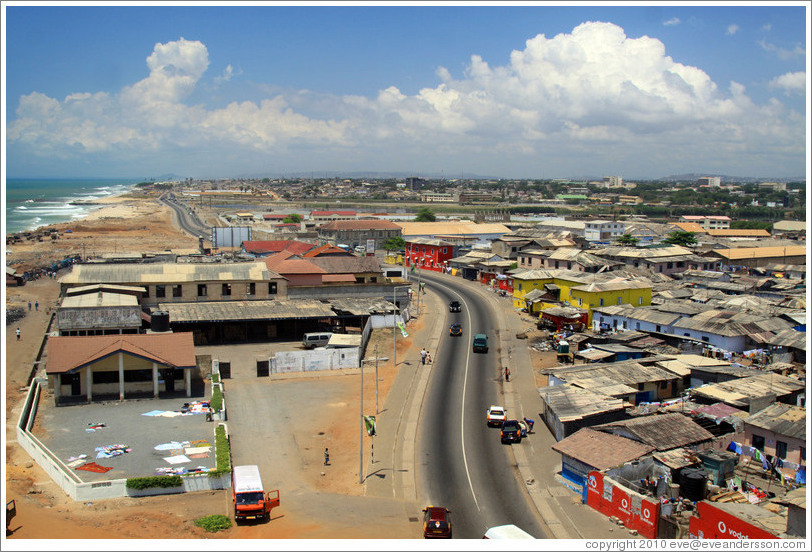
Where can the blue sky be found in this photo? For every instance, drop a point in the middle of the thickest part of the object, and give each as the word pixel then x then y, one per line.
pixel 525 91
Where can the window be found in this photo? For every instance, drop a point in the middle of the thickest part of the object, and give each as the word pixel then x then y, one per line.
pixel 670 265
pixel 637 325
pixel 619 300
pixel 160 291
pixel 556 264
pixel 138 375
pixel 687 334
pixel 758 442
pixel 66 379
pixel 252 288
pixel 226 290
pixel 177 291
pixel 201 290
pixel 271 288
pixel 803 454
pixel 706 339
pixel 600 301
pixel 146 291
pixel 658 328
pixel 581 302
pixel 639 300
pixel 445 250
pixel 105 377
pixel 781 449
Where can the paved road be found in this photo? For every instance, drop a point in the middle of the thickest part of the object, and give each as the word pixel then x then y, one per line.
pixel 463 464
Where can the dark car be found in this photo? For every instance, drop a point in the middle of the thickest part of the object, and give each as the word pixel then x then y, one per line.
pixel 455 329
pixel 511 432
pixel 454 306
pixel 436 523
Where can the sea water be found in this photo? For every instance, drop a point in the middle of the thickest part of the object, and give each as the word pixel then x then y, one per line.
pixel 31 203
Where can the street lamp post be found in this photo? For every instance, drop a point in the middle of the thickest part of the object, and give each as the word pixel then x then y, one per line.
pixel 361 436
pixel 395 325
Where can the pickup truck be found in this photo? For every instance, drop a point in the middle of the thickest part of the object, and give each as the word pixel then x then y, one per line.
pixel 511 432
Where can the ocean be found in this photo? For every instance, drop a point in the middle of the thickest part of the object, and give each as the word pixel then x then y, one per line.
pixel 35 202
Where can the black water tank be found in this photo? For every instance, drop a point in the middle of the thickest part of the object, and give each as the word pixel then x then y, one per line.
pixel 160 321
pixel 692 484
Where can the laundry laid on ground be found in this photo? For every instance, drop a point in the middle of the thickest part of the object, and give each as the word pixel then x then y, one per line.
pixel 195 450
pixel 180 470
pixel 198 455
pixel 93 426
pixel 111 451
pixel 173 445
pixel 178 459
pixel 94 467
pixel 188 409
pixel 80 457
pixel 75 463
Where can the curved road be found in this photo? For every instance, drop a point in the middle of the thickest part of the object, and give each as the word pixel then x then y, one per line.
pixel 461 462
pixel 189 223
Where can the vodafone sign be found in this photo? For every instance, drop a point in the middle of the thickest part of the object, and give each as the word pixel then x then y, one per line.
pixel 712 522
pixel 620 503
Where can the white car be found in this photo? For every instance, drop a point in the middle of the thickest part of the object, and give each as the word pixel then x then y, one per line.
pixel 496 415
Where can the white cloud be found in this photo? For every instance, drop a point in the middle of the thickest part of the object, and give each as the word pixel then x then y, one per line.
pixel 227 74
pixel 767 27
pixel 790 83
pixel 593 94
pixel 732 29
pixel 783 53
pixel 672 21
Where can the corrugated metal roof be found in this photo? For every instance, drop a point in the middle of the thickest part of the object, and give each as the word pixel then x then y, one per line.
pixel 376 224
pixel 571 403
pixel 729 323
pixel 223 311
pixel 739 392
pixel 601 450
pixel 167 273
pixel 783 419
pixel 463 228
pixel 740 253
pixel 663 432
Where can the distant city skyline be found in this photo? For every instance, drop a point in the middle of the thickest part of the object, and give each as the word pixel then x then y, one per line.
pixel 533 91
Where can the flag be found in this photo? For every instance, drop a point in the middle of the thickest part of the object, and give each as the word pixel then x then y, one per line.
pixel 369 423
pixel 412 270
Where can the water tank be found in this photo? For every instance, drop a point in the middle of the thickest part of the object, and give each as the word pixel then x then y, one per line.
pixel 563 347
pixel 160 321
pixel 692 484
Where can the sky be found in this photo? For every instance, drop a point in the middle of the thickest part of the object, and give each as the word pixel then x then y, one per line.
pixel 531 90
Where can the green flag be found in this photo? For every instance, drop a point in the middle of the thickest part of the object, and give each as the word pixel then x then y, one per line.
pixel 412 270
pixel 369 423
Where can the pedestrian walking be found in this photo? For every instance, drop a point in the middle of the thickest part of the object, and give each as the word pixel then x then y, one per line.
pixel 507 373
pixel 326 457
pixel 18 334
pixel 36 305
pixel 29 305
pixel 428 357
pixel 423 354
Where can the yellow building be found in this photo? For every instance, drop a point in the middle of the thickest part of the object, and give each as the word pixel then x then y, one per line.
pixel 602 294
pixel 578 289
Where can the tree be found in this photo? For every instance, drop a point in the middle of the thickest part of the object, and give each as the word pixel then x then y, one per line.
pixel 292 218
pixel 425 215
pixel 627 239
pixel 395 243
pixel 680 237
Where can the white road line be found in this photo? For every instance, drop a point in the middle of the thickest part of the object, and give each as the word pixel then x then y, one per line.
pixel 464 386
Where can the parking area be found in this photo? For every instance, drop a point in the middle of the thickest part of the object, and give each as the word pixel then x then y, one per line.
pixel 68 432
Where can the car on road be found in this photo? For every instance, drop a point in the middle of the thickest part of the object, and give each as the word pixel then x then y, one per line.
pixel 455 329
pixel 454 306
pixel 496 415
pixel 480 344
pixel 511 432
pixel 436 523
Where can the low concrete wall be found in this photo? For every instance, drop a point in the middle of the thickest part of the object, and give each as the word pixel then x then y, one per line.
pixel 285 362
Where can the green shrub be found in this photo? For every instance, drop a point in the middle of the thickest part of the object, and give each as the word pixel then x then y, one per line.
pixel 215 378
pixel 164 481
pixel 216 399
pixel 214 523
pixel 222 452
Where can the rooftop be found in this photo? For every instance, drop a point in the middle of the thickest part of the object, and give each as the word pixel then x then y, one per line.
pixel 601 450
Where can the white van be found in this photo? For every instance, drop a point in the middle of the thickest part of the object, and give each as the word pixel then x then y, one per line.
pixel 320 339
pixel 507 532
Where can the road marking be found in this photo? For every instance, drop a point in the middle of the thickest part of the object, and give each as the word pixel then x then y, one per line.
pixel 464 386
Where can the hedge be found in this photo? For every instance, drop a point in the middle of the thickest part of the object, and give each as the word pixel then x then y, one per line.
pixel 214 523
pixel 216 399
pixel 155 481
pixel 222 450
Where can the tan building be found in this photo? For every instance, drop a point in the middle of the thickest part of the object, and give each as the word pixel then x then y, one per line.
pixel 355 233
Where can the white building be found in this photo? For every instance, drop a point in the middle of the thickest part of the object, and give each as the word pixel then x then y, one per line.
pixel 712 181
pixel 603 230
pixel 613 181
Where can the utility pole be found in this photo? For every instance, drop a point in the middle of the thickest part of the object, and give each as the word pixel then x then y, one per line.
pixel 376 380
pixel 361 434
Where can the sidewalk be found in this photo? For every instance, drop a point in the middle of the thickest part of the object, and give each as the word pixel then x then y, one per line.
pixel 392 474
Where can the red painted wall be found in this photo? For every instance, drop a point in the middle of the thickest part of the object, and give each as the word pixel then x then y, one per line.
pixel 433 259
pixel 644 522
pixel 714 523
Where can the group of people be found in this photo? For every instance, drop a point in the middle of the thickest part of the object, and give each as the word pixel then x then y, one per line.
pixel 425 357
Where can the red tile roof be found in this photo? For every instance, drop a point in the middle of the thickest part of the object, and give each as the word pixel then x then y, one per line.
pixel 326 249
pixel 67 353
pixel 287 263
pixel 360 225
pixel 275 246
pixel 328 213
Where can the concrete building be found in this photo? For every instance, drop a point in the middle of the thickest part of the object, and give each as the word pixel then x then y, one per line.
pixel 603 230
pixel 708 222
pixel 778 430
pixel 712 181
pixel 355 233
